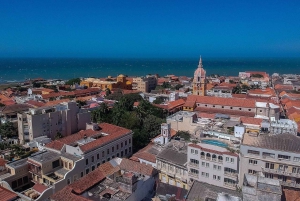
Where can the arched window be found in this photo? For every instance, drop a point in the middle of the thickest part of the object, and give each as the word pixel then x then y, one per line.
pixel 202 153
pixel 208 155
pixel 220 158
pixel 214 157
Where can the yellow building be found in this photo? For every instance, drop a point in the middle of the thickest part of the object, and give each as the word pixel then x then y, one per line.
pixel 120 83
pixel 199 82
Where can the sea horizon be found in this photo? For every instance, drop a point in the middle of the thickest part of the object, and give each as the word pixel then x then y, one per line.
pixel 22 68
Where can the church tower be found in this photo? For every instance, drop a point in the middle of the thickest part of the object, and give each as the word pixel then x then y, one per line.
pixel 199 82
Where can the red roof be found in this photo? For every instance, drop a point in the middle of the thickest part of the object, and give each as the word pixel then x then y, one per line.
pixel 114 132
pixel 236 102
pixel 251 120
pixel 284 87
pixel 39 187
pixel 2 162
pixel 172 105
pixel 35 103
pixel 206 115
pixel 7 195
pixel 133 166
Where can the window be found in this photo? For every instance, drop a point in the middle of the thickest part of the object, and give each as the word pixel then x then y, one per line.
pixel 251 171
pixel 272 166
pixel 118 155
pixel 93 158
pixel 55 164
pixel 103 161
pixel 219 167
pixel 98 156
pixel 86 161
pixel 107 151
pixel 129 141
pixel 253 152
pixel 202 174
pixel 269 175
pixel 117 147
pixel 192 151
pixel 252 162
pixel 112 149
pixel 232 160
pixel 193 171
pixel 267 165
pixel 207 165
pixel 129 149
pixel 231 108
pixel 81 174
pixel 194 161
pixel 121 144
pixel 207 175
pixel 227 159
pixel 98 164
pixel 215 167
pixel 214 177
pixel 296 159
pixel 68 181
pixel 268 155
pixel 203 164
pixel 196 151
pixel 125 142
pixel 284 157
pixel 219 178
pixel 102 153
pixel 87 171
pixel 93 168
pixel 125 151
pixel 122 153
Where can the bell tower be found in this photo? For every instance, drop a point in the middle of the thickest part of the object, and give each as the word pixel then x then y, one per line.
pixel 199 82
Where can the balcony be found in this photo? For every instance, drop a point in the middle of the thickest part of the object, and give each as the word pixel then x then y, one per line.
pixel 34 171
pixel 281 172
pixel 290 184
pixel 193 175
pixel 230 174
pixel 230 185
pixel 193 165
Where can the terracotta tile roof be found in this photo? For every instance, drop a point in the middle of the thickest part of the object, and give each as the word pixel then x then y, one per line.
pixel 66 194
pixel 239 95
pixel 2 162
pixel 135 104
pixel 251 120
pixel 47 90
pixel 113 131
pixel 72 93
pixel 206 115
pixel 146 156
pixel 268 92
pixel 35 103
pixel 88 181
pixel 213 151
pixel 236 102
pixel 291 194
pixel 292 103
pixel 15 108
pixel 225 111
pixel 39 187
pixel 56 102
pixel 7 195
pixel 133 166
pixel 190 103
pixel 284 87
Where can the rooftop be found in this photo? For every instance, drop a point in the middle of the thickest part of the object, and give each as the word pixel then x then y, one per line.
pixel 212 148
pixel 44 156
pixel 7 195
pixel 204 190
pixel 180 151
pixel 281 142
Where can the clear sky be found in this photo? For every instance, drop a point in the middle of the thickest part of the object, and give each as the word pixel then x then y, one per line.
pixel 153 28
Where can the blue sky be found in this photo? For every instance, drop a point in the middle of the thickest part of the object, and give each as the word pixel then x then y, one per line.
pixel 149 29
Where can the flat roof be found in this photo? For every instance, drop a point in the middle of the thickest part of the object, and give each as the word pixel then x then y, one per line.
pixel 41 157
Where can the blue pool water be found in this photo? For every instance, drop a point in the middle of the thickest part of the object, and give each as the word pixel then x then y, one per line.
pixel 215 142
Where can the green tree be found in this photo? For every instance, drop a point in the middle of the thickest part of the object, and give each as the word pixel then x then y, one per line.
pixel 102 114
pixel 184 134
pixel 166 85
pixel 73 81
pixel 151 126
pixel 107 92
pixel 158 100
pixel 58 135
pixel 178 86
pixel 8 130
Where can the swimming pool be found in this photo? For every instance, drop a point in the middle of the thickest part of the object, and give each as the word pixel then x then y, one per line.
pixel 215 142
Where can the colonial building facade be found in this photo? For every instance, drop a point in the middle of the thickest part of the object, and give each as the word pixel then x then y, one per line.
pixel 199 82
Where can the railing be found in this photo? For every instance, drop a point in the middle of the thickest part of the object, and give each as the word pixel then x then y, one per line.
pixel 281 172
pixel 230 185
pixel 230 174
pixel 193 174
pixel 193 165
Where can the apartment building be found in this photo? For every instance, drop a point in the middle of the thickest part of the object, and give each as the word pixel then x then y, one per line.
pixel 144 84
pixel 118 179
pixel 65 118
pixel 171 163
pixel 213 165
pixel 272 156
pixel 65 160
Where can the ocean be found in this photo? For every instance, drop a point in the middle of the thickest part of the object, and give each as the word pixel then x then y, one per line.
pixel 20 69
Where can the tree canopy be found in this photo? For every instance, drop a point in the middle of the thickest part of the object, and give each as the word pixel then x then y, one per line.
pixel 73 81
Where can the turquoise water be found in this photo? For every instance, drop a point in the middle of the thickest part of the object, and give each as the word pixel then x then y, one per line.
pixel 215 142
pixel 19 69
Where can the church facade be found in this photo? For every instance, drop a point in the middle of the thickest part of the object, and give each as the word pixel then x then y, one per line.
pixel 199 82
